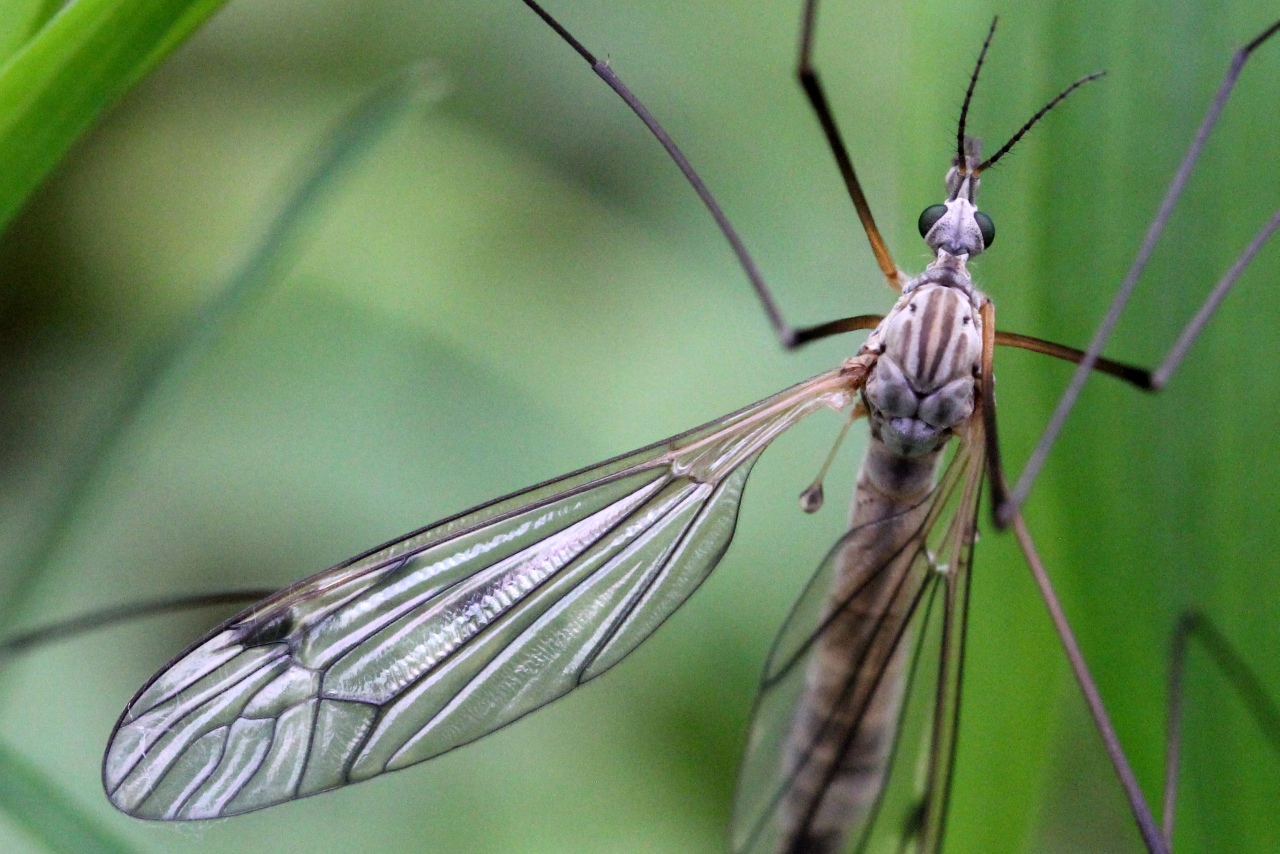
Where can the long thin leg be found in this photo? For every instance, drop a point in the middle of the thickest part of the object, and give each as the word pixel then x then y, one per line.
pixel 990 339
pixel 838 327
pixel 788 336
pixel 1022 489
pixel 1194 624
pixel 1140 377
pixel 1151 835
pixel 999 487
pixel 812 85
pixel 26 641
pixel 1135 376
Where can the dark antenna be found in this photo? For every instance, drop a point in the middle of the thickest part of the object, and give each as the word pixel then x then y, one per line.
pixel 1059 98
pixel 968 96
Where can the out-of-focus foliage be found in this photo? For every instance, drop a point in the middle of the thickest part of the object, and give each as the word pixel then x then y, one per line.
pixel 47 815
pixel 62 64
pixel 515 282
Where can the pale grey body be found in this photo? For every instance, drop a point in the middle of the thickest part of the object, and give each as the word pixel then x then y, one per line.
pixel 923 384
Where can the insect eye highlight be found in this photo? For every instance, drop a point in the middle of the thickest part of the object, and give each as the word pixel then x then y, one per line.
pixel 929 216
pixel 985 225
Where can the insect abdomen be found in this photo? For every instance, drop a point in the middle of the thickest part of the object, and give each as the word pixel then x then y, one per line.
pixel 842 735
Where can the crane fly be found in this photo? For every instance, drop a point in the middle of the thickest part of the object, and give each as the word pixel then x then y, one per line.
pixel 440 637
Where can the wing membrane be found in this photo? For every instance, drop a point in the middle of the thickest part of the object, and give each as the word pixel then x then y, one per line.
pixel 957 550
pixel 444 635
pixel 796 753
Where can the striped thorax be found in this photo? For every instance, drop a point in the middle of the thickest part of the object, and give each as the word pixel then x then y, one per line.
pixel 921 387
pixel 929 347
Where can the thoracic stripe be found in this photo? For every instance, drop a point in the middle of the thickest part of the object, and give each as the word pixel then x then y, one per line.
pixel 932 344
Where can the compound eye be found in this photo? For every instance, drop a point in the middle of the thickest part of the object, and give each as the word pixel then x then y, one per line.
pixel 930 216
pixel 986 226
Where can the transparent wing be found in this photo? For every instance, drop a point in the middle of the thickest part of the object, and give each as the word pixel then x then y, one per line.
pixel 449 633
pixel 957 550
pixel 856 637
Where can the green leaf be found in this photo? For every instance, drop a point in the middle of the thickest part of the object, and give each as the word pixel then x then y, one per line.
pixel 80 62
pixel 522 284
pixel 24 18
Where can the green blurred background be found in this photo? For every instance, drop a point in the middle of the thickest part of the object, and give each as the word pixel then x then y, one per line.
pixel 514 282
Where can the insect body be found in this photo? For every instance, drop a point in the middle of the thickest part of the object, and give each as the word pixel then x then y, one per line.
pixel 451 632
pixel 922 387
pixel 831 770
pixel 435 639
